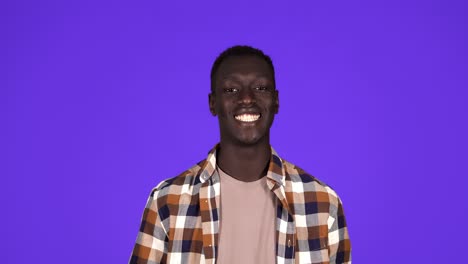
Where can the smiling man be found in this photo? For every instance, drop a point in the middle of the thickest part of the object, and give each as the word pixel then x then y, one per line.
pixel 243 203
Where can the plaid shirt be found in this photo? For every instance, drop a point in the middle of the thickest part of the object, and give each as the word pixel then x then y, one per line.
pixel 181 220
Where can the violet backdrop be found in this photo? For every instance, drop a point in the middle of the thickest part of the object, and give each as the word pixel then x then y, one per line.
pixel 101 100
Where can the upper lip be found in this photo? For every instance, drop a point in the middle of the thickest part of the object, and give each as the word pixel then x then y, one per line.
pixel 247 111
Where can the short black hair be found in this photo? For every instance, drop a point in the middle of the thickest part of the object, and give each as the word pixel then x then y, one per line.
pixel 239 50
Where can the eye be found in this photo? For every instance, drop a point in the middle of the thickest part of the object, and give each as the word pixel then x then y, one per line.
pixel 231 90
pixel 261 88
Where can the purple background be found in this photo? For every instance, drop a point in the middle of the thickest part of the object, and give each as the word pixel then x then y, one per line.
pixel 102 100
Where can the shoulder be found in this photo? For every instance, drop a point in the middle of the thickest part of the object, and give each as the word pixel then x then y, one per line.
pixel 300 181
pixel 179 184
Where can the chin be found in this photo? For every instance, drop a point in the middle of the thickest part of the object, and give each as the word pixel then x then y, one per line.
pixel 250 140
pixel 245 137
pixel 247 142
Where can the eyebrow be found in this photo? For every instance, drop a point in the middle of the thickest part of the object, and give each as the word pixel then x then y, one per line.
pixel 236 76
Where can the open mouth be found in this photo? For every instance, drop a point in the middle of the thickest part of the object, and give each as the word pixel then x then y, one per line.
pixel 247 117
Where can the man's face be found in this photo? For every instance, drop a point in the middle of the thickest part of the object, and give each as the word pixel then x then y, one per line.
pixel 244 99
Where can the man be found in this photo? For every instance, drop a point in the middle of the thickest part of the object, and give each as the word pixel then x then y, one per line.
pixel 243 204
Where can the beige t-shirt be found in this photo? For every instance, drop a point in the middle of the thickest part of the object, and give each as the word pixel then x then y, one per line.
pixel 247 222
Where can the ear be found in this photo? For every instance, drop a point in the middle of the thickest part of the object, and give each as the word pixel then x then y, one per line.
pixel 276 101
pixel 211 103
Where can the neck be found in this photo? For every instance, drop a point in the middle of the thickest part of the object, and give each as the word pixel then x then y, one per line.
pixel 245 163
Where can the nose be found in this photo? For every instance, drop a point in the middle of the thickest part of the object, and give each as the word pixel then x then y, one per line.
pixel 246 96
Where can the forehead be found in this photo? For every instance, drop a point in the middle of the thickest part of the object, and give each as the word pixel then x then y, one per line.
pixel 244 65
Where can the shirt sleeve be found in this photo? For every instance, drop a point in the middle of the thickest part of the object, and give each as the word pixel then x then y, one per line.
pixel 338 238
pixel 152 240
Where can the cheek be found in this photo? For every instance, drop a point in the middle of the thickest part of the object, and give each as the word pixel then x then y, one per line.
pixel 224 108
pixel 270 105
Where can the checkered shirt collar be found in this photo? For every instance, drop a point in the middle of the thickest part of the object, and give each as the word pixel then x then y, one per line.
pixel 275 172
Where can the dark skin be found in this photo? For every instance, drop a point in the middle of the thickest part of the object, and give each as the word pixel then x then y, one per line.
pixel 245 100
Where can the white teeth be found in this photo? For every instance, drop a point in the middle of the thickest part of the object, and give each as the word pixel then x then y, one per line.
pixel 247 117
